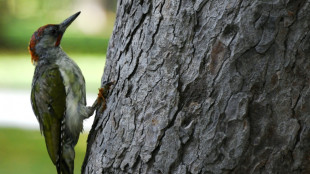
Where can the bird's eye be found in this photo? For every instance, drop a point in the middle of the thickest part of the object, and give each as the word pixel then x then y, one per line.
pixel 54 31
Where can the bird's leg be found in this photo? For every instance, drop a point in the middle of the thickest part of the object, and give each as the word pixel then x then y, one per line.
pixel 100 102
pixel 91 109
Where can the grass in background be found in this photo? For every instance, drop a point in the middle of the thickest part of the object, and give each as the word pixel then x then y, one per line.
pixel 16 71
pixel 24 151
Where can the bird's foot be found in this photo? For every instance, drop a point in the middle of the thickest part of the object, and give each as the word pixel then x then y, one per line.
pixel 103 94
pixel 102 100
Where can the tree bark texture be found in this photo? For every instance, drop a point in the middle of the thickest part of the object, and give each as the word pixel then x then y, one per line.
pixel 206 86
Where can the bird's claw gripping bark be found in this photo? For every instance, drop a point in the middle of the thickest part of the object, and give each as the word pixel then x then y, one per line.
pixel 103 94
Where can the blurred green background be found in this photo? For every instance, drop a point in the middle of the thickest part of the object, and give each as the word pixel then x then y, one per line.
pixel 22 148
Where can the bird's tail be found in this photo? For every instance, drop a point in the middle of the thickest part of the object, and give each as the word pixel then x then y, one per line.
pixel 65 164
pixel 66 154
pixel 58 169
pixel 67 159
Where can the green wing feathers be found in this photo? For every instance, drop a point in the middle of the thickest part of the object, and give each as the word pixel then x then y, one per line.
pixel 48 97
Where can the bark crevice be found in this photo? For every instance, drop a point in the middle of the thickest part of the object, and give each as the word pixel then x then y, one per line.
pixel 206 87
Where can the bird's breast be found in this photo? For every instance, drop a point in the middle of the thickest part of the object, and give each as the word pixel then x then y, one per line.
pixel 75 90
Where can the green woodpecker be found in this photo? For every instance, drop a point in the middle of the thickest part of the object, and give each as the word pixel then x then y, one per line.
pixel 58 94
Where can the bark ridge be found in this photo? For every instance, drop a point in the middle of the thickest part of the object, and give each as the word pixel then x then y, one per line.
pixel 206 86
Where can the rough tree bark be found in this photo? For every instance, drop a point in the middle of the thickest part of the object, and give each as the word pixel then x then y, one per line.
pixel 206 86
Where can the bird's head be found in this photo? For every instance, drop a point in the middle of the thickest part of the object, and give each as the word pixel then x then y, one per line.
pixel 48 36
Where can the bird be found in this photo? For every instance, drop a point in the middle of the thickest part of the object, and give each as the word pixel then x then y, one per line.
pixel 58 95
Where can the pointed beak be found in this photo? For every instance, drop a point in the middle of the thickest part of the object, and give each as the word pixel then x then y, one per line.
pixel 65 24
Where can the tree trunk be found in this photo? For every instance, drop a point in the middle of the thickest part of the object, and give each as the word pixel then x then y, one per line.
pixel 206 86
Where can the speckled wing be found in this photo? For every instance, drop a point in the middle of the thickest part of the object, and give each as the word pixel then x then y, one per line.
pixel 48 98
